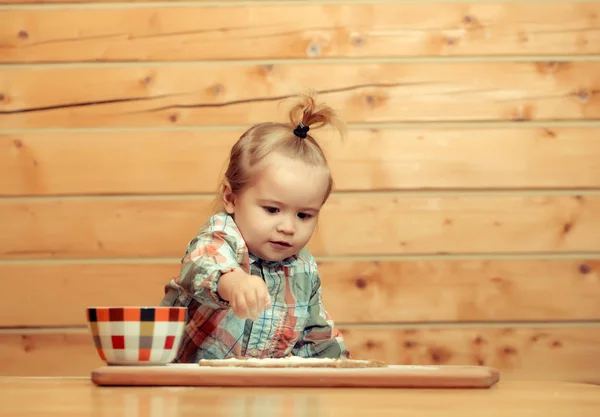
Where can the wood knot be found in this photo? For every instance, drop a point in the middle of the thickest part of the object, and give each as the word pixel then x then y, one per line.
pixel 509 350
pixel 522 36
pixel 358 41
pixel 27 342
pixel 439 355
pixel 583 96
pixel 374 99
pixel 18 143
pixel 567 227
pixel 1 97
pixel 371 345
pixel 447 222
pixel 479 341
pixel 549 67
pixel 480 362
pixel 584 269
pixel 409 344
pixel 550 133
pixel 147 80
pixel 536 337
pixel 450 41
pixel 472 23
pixel 23 34
pixel 313 49
pixel 217 88
pixel 557 344
pixel 267 68
pixel 361 282
pixel 173 117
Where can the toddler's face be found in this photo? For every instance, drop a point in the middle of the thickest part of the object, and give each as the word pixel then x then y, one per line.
pixel 278 213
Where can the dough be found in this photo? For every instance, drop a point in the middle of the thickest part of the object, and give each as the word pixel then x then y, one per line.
pixel 293 362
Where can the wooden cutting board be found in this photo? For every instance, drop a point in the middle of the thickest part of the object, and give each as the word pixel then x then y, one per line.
pixel 393 376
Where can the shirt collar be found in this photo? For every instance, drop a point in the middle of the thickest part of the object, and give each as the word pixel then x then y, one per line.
pixel 290 261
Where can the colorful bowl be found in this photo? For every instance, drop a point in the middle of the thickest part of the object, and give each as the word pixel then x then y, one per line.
pixel 137 335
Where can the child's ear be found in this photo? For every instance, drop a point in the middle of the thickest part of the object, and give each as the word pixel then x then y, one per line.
pixel 228 198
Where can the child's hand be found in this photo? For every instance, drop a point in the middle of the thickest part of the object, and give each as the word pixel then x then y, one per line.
pixel 247 294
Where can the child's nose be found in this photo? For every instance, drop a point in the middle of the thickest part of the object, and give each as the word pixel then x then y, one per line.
pixel 286 226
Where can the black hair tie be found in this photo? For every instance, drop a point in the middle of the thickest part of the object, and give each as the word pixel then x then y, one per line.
pixel 301 130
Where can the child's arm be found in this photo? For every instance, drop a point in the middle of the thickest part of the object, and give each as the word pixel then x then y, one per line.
pixel 321 339
pixel 208 256
pixel 211 275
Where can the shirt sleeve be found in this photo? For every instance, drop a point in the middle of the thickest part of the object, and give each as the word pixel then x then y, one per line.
pixel 320 339
pixel 208 256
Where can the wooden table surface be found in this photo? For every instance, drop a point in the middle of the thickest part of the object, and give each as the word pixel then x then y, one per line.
pixel 64 397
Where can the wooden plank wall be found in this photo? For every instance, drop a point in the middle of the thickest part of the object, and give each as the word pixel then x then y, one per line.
pixel 474 135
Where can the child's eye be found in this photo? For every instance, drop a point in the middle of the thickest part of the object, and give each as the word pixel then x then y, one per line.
pixel 304 216
pixel 271 210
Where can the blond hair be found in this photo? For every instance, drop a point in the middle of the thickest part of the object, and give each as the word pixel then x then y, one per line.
pixel 266 138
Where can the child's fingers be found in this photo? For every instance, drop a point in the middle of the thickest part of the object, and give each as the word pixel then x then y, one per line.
pixel 240 307
pixel 264 295
pixel 263 301
pixel 259 302
pixel 253 303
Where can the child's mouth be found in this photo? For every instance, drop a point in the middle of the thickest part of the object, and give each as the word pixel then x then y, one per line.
pixel 280 245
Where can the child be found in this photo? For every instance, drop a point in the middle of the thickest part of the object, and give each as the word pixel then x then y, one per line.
pixel 251 287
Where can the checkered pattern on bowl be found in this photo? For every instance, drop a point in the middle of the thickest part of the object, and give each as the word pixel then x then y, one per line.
pixel 136 335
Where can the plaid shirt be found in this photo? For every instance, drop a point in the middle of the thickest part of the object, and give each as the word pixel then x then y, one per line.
pixel 296 323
